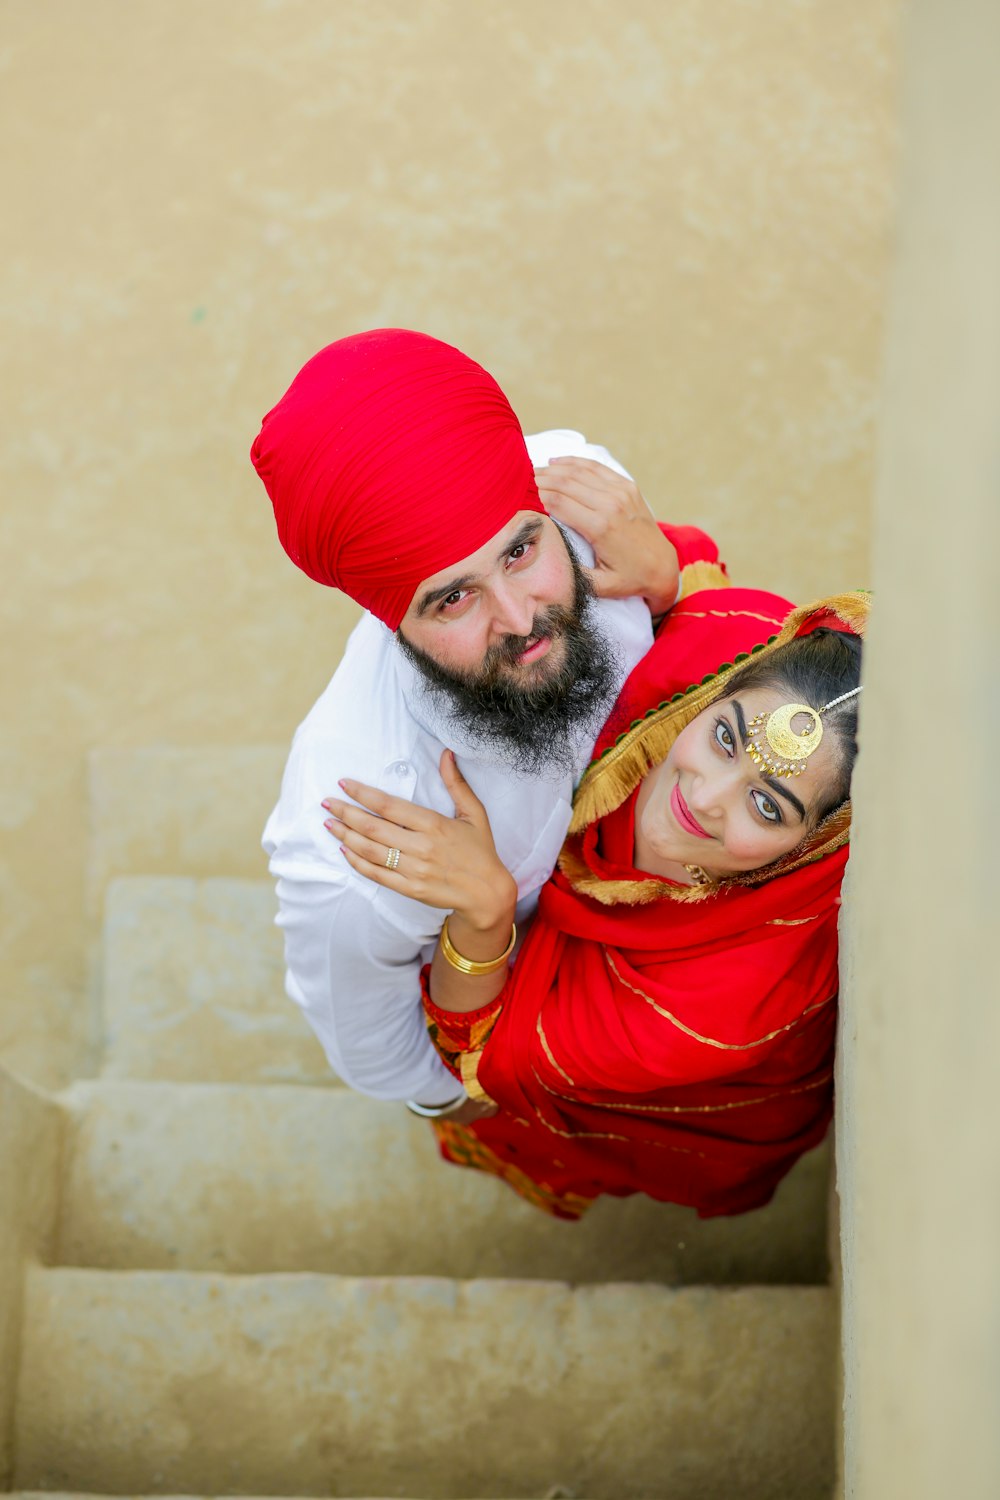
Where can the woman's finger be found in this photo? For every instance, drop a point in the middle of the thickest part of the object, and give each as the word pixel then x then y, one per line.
pixel 374 851
pixel 467 804
pixel 396 809
pixel 380 830
pixel 396 880
pixel 379 873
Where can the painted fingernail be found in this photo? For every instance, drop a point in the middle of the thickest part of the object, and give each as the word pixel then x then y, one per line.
pixel 329 824
pixel 325 803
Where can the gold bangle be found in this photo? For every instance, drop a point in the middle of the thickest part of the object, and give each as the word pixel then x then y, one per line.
pixel 469 965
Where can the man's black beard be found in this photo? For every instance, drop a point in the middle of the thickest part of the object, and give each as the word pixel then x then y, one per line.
pixel 535 727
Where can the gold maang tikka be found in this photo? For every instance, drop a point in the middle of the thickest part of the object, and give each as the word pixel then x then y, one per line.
pixel 787 748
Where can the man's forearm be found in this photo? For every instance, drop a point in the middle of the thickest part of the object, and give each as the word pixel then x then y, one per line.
pixel 357 980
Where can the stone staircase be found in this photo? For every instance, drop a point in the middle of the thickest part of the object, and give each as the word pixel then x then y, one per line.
pixel 259 1283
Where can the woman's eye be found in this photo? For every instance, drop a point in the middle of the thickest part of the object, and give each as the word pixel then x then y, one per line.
pixel 724 736
pixel 768 810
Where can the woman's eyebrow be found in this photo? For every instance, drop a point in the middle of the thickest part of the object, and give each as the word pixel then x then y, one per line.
pixel 771 781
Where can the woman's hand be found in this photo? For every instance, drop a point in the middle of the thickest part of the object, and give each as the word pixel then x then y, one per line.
pixel 471 1110
pixel 633 557
pixel 451 863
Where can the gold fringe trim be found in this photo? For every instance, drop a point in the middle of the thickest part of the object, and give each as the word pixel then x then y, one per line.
pixel 623 892
pixel 607 782
pixel 832 834
pixel 702 575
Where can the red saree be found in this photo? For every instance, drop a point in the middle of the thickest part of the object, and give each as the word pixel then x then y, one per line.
pixel 674 1041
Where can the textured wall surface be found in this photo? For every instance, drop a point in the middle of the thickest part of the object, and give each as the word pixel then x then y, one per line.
pixel 31 1130
pixel 919 1113
pixel 663 224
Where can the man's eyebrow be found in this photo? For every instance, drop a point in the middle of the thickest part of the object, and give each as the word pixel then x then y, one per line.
pixel 526 533
pixel 771 781
pixel 433 596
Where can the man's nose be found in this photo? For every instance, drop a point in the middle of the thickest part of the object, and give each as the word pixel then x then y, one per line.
pixel 513 613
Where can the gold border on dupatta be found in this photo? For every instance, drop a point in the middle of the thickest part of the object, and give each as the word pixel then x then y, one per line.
pixel 702 574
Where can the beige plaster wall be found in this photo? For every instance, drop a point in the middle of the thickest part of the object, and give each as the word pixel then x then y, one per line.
pixel 31 1128
pixel 919 1113
pixel 664 224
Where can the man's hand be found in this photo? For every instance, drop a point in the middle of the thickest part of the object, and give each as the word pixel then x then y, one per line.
pixel 632 556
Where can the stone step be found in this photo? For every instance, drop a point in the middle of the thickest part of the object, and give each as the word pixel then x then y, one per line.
pixel 166 810
pixel 193 985
pixel 243 1179
pixel 176 1382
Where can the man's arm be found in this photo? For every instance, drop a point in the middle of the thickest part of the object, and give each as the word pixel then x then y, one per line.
pixel 356 977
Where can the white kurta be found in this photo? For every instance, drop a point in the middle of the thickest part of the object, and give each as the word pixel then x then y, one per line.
pixel 354 950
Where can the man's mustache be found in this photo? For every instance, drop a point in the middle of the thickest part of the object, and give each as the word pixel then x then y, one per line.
pixel 507 652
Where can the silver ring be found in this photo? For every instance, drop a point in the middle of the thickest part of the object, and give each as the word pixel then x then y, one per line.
pixel 392 859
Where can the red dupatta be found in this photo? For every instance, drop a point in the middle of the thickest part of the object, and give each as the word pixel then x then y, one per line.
pixel 671 1040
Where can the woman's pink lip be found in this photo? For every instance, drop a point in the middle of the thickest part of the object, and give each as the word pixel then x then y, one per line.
pixel 683 816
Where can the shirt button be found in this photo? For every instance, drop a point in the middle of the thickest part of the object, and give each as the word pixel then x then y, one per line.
pixel 401 768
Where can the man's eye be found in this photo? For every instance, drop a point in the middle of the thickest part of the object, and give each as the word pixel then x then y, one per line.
pixel 455 597
pixel 724 736
pixel 516 553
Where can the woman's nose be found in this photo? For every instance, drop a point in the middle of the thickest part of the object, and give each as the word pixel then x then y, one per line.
pixel 707 795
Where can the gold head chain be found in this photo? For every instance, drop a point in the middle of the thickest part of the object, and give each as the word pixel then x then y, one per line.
pixel 788 747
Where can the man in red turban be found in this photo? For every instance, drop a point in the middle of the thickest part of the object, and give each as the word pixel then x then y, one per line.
pixel 399 473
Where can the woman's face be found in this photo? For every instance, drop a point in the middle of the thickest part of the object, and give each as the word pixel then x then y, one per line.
pixel 709 805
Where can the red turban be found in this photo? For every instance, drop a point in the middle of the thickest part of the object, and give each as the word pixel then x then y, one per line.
pixel 390 457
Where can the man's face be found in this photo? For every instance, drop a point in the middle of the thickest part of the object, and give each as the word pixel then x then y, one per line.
pixel 499 594
pixel 503 637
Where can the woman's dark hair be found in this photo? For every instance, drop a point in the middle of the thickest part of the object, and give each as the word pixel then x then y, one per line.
pixel 814 669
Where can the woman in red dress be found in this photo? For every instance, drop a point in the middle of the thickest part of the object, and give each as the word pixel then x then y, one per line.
pixel 668 1025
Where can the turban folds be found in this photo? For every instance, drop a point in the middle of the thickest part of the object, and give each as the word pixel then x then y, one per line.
pixel 391 456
